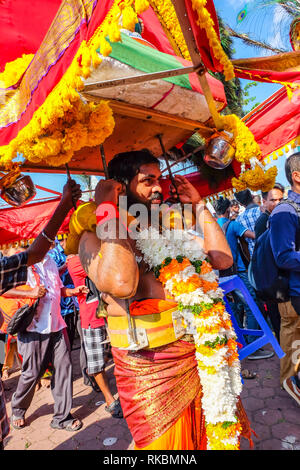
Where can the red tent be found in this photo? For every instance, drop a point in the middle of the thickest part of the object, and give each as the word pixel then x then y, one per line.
pixel 25 223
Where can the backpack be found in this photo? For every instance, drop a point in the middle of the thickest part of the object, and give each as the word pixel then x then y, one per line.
pixel 270 283
pixel 243 250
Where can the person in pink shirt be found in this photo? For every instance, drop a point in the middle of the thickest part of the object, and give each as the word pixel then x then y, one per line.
pixel 94 335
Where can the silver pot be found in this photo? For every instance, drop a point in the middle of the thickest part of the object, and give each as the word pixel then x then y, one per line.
pixel 220 152
pixel 21 191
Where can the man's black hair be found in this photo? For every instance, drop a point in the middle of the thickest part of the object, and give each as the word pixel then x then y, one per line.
pixel 278 186
pixel 292 164
pixel 244 197
pixel 221 205
pixel 125 166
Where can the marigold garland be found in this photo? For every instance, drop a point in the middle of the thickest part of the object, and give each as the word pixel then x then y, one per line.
pixel 206 22
pixel 14 70
pixel 256 179
pixel 183 270
pixel 166 13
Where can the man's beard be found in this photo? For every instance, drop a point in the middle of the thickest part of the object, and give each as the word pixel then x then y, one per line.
pixel 157 195
pixel 135 200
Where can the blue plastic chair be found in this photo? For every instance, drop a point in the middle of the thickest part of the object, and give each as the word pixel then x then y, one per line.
pixel 265 335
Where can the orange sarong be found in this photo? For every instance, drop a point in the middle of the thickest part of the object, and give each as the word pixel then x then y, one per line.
pixel 160 394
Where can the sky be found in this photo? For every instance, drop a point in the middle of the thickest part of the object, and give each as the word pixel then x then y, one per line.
pixel 258 24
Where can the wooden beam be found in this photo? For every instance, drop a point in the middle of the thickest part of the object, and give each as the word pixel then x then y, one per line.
pixel 139 112
pixel 187 32
pixel 145 77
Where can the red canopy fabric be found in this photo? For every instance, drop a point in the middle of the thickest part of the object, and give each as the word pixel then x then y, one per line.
pixel 24 223
pixel 23 26
pixel 154 33
pixel 276 121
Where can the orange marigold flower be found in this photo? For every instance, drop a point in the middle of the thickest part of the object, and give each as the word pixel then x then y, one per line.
pixel 169 271
pixel 207 286
pixel 205 267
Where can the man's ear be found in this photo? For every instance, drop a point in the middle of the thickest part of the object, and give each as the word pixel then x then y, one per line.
pixel 296 176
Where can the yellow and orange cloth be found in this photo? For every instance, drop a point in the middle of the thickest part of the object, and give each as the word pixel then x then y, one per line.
pixel 160 394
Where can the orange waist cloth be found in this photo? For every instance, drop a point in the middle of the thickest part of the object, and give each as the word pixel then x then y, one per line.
pixel 155 386
pixel 160 393
pixel 188 432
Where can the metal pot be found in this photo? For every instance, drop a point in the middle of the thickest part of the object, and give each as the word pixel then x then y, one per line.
pixel 21 191
pixel 220 152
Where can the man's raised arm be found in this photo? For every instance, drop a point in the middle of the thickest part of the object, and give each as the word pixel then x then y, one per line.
pixel 107 257
pixel 215 243
pixel 43 242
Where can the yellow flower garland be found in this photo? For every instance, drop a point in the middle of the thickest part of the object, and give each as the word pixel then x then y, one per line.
pixel 243 139
pixel 206 22
pixel 256 179
pixel 14 70
pixel 166 13
pixel 247 152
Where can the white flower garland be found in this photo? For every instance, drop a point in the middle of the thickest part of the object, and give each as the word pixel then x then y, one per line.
pixel 206 318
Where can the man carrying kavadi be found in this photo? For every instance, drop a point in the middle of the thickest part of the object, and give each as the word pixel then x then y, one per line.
pixel 176 361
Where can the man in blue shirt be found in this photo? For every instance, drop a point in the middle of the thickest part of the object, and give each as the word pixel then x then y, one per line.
pixel 233 232
pixel 250 215
pixel 285 243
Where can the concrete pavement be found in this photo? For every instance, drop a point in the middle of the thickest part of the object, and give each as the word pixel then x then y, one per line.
pixel 274 416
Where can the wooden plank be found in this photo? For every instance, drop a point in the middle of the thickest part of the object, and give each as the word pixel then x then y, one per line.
pixel 136 128
pixel 145 77
pixel 139 112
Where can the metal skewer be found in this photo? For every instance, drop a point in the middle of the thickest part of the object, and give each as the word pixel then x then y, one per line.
pixel 133 341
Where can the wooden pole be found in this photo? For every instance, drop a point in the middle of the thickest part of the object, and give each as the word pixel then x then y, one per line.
pixel 187 32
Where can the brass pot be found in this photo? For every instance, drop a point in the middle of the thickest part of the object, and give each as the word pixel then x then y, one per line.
pixel 20 192
pixel 220 152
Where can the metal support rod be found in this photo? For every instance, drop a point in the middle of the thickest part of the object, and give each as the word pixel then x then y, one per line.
pixel 164 154
pixel 69 177
pixel 104 162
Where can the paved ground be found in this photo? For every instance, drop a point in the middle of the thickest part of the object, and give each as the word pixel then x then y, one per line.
pixel 274 416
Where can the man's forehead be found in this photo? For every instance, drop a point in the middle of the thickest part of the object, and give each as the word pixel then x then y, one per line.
pixel 275 193
pixel 150 169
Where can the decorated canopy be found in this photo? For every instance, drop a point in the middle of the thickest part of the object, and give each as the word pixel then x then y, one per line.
pixel 59 105
pixel 276 123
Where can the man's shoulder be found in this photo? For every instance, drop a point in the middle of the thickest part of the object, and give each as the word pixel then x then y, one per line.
pixel 236 227
pixel 262 218
pixel 50 263
pixel 253 210
pixel 286 207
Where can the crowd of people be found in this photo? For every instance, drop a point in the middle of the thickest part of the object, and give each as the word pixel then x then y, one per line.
pixel 246 218
pixel 83 293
